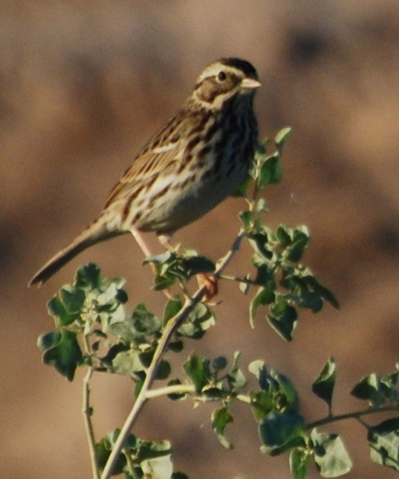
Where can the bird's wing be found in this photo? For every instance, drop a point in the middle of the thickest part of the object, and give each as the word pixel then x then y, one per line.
pixel 167 147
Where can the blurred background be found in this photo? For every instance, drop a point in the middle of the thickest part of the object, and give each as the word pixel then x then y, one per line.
pixel 82 86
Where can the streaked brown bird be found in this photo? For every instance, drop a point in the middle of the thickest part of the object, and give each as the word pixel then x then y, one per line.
pixel 199 158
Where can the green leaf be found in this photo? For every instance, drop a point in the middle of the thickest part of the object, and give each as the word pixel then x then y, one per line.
pixel 243 188
pixel 179 475
pixel 383 441
pixel 283 136
pixel 287 398
pixel 153 449
pixel 198 264
pixel 259 370
pixel 88 276
pixel 136 327
pixel 160 258
pixel 386 427
pixel 146 458
pixel 198 322
pixel 48 340
pixel 220 419
pixel 198 370
pixel 243 285
pixel 145 322
pixel 127 363
pixel 277 429
pixel 219 363
pixel 103 451
pixel 297 249
pixel 330 454
pixel 263 297
pixel 283 318
pixel 260 243
pixel 109 297
pixel 236 380
pixel 299 463
pixel 172 266
pixel 168 269
pixel 56 308
pixel 277 392
pixel 283 236
pixel 323 387
pixel 388 386
pixel 138 386
pixel 61 351
pixel 113 351
pixel 265 276
pixel 163 282
pixel 310 300
pixel 212 392
pixel 176 346
pixel 173 306
pixel 261 404
pixel 270 171
pixel 322 291
pixel 369 389
pixel 121 296
pixel 158 468
pixel 146 357
pixel 73 298
pixel 164 369
pixel 260 206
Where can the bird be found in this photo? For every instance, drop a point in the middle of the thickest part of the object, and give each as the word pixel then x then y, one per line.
pixel 200 157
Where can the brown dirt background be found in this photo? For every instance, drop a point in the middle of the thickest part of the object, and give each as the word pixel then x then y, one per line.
pixel 82 86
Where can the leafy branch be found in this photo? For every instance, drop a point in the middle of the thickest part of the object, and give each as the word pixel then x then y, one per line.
pixel 95 331
pixel 171 326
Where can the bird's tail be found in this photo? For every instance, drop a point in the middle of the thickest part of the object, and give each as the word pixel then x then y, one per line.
pixel 95 233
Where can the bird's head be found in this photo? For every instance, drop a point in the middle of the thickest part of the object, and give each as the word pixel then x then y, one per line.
pixel 223 80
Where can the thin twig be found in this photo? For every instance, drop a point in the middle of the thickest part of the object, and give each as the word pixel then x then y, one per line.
pixel 238 279
pixel 130 465
pixel 87 412
pixel 174 389
pixel 187 389
pixel 350 415
pixel 170 328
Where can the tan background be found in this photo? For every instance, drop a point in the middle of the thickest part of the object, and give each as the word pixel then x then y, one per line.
pixel 82 86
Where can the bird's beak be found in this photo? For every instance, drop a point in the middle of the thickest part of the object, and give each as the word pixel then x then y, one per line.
pixel 250 83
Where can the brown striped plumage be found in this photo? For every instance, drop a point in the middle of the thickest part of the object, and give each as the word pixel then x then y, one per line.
pixel 200 157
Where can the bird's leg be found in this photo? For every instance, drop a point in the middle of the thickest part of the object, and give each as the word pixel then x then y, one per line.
pixel 140 241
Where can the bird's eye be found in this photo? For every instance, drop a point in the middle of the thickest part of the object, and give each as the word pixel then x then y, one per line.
pixel 222 76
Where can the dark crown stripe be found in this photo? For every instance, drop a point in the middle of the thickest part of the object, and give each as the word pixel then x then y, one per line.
pixel 242 65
